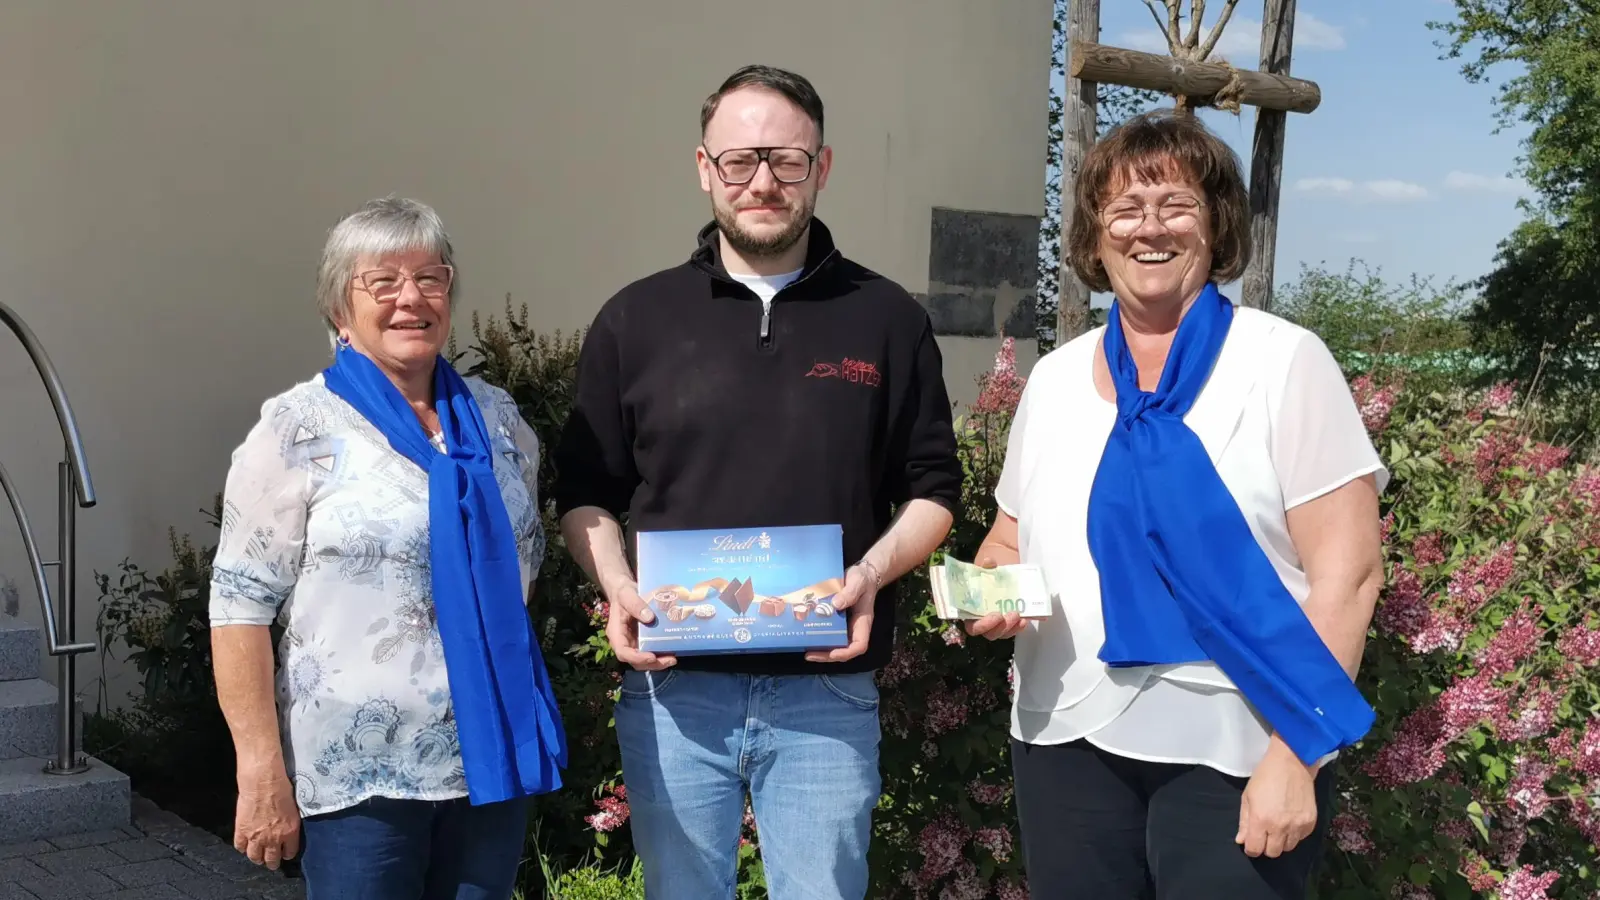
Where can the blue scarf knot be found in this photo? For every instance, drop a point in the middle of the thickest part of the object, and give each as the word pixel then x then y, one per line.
pixel 1182 578
pixel 512 740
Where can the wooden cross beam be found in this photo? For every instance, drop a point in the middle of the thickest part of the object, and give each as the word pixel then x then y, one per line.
pixel 1204 83
pixel 1196 83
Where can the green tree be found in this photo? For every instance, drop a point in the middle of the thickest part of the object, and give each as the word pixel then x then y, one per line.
pixel 1537 311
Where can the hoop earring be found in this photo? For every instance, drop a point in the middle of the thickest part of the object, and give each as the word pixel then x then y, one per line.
pixel 343 341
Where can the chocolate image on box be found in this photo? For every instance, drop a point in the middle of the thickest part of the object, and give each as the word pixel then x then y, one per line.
pixel 679 612
pixel 738 596
pixel 772 606
pixel 801 610
pixel 705 611
pixel 666 598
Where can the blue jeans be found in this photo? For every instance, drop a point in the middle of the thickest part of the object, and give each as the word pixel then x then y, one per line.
pixel 384 849
pixel 805 748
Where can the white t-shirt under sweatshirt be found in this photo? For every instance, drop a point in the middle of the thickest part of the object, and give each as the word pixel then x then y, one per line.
pixel 767 286
pixel 1279 423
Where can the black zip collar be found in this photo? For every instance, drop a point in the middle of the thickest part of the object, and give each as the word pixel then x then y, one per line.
pixel 821 255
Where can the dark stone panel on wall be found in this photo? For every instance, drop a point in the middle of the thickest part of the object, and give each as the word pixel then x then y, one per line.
pixel 967 315
pixel 984 249
pixel 982 273
pixel 1023 321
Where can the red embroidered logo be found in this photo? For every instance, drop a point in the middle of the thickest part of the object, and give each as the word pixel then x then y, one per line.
pixel 854 371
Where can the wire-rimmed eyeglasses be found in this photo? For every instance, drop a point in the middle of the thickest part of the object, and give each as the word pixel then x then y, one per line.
pixel 788 165
pixel 1178 215
pixel 385 284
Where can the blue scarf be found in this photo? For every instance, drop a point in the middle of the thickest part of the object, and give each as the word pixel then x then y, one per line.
pixel 512 739
pixel 1182 579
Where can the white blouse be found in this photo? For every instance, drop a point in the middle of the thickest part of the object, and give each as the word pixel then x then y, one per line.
pixel 325 530
pixel 1279 423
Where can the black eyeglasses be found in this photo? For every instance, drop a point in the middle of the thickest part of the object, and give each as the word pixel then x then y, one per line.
pixel 787 164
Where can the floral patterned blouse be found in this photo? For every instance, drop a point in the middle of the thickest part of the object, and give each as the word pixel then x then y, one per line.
pixel 325 530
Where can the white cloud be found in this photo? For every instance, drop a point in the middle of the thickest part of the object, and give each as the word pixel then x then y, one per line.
pixel 1394 190
pixel 1492 184
pixel 1325 185
pixel 1241 40
pixel 1382 190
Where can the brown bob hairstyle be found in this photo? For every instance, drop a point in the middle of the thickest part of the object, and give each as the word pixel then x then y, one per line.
pixel 1159 146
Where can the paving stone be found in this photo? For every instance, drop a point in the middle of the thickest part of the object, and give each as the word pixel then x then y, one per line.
pixel 70 887
pixel 28 848
pixel 285 890
pixel 20 869
pixel 142 874
pixel 74 841
pixel 15 892
pixel 213 887
pixel 152 892
pixel 141 850
pixel 66 862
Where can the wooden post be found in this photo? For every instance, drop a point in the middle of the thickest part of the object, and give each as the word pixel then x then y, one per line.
pixel 1266 160
pixel 1077 136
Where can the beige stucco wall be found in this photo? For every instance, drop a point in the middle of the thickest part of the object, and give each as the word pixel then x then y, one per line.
pixel 168 168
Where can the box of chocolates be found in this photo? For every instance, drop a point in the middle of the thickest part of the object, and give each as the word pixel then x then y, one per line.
pixel 743 590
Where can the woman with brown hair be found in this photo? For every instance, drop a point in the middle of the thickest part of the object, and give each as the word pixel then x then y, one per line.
pixel 1196 483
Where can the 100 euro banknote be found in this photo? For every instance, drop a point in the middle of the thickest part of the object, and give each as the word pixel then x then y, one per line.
pixel 965 591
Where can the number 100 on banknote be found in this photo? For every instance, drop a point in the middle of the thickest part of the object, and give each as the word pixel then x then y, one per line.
pixel 965 591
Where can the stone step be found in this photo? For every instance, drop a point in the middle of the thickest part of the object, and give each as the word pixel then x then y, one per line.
pixel 39 806
pixel 21 648
pixel 28 720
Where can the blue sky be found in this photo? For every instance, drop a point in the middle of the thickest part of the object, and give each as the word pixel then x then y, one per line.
pixel 1400 168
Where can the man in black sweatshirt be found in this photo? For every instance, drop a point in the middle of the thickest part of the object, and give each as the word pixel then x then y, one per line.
pixel 768 381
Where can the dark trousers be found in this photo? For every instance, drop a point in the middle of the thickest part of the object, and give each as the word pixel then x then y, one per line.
pixel 1105 827
pixel 414 850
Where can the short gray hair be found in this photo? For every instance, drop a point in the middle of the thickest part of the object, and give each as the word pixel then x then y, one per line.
pixel 380 227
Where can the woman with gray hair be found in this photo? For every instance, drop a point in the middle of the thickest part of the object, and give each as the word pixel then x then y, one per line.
pixel 385 514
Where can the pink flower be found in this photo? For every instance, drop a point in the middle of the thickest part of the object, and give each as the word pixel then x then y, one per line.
pixel 1526 792
pixel 930 750
pixel 1508 837
pixel 1535 716
pixel 1457 829
pixel 1580 646
pixel 1415 752
pixel 613 810
pixel 1375 403
pixel 1427 549
pixel 1586 756
pixel 987 794
pixel 1541 459
pixel 1523 884
pixel 1500 396
pixel 1472 584
pixel 1349 831
pixel 947 711
pixel 1517 639
pixel 1403 611
pixel 1470 702
pixel 953 637
pixel 1000 389
pixel 967 885
pixel 1011 891
pixel 904 665
pixel 942 842
pixel 997 841
pixel 1479 874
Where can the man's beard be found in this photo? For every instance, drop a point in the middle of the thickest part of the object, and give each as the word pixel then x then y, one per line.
pixel 755 246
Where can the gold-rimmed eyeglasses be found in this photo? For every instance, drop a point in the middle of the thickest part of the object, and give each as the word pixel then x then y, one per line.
pixel 1178 215
pixel 789 165
pixel 385 284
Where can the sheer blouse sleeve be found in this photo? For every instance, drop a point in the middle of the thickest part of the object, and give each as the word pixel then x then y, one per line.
pixel 264 508
pixel 1319 442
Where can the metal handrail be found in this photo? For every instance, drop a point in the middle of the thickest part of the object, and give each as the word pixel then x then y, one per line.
pixel 74 485
pixel 58 399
